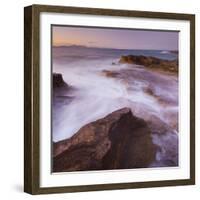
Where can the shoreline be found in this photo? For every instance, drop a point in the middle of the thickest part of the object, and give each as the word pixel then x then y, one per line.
pixel 145 90
pixel 151 62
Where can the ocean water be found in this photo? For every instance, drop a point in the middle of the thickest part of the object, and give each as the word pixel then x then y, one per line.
pixel 79 52
pixel 92 95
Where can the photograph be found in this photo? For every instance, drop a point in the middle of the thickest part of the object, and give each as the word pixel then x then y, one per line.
pixel 109 99
pixel 114 97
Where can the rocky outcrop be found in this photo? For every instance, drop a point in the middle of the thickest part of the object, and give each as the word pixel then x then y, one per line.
pixel 174 51
pixel 151 62
pixel 118 141
pixel 58 81
pixel 109 73
pixel 62 92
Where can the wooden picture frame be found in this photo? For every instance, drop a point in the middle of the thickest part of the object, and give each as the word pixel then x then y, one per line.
pixel 32 106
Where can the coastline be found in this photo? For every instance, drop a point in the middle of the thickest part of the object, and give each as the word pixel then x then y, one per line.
pixel 129 80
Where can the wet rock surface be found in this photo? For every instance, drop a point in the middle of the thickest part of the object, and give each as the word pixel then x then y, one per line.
pixel 118 141
pixel 58 81
pixel 151 62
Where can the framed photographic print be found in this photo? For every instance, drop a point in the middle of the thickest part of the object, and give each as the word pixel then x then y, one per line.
pixel 109 99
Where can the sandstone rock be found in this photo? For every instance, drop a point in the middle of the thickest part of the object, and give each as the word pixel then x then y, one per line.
pixel 117 141
pixel 151 62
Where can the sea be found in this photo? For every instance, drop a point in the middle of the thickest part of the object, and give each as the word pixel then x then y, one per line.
pixel 92 95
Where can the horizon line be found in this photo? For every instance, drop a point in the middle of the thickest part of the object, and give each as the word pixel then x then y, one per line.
pixel 85 46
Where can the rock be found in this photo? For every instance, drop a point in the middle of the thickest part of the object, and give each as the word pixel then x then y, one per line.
pixel 174 51
pixel 151 62
pixel 109 73
pixel 118 141
pixel 62 92
pixel 157 126
pixel 162 100
pixel 58 80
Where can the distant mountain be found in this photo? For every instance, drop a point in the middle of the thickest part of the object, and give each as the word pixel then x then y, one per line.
pixel 92 47
pixel 70 46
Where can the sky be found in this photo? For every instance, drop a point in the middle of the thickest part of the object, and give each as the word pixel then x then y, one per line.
pixel 115 38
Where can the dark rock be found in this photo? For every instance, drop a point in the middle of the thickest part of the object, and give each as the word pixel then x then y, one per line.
pixel 151 62
pixel 157 126
pixel 174 52
pixel 117 141
pixel 58 80
pixel 62 92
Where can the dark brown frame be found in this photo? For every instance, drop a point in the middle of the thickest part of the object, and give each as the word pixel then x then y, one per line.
pixel 32 104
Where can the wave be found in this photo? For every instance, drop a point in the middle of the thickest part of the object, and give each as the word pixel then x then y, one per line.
pixel 148 94
pixel 165 52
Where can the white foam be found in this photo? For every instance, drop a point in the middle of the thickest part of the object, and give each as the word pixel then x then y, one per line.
pixel 97 95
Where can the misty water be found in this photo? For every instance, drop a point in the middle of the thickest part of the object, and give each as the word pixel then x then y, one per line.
pixel 92 95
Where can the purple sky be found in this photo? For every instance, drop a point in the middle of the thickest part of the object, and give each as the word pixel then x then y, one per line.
pixel 115 38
